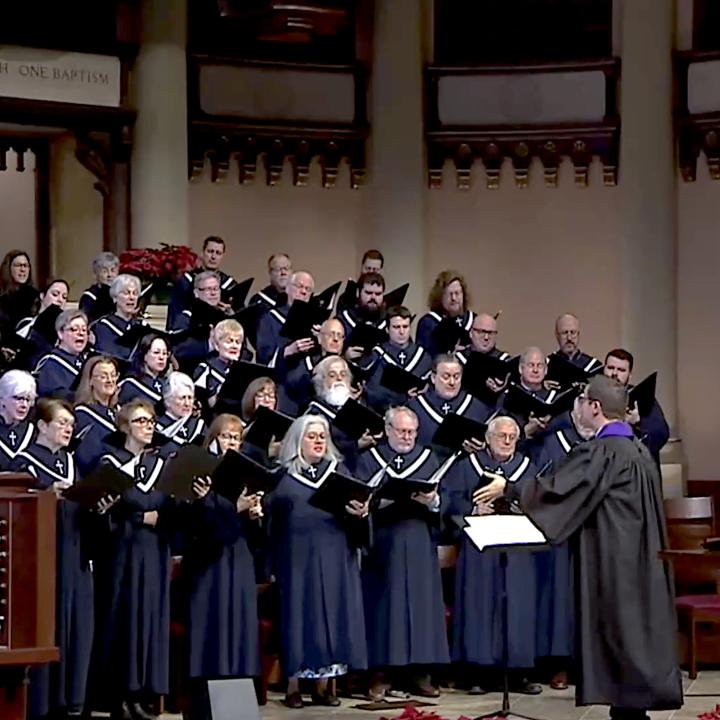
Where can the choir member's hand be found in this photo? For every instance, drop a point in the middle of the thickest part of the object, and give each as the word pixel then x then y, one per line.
pixel 482 508
pixel 356 392
pixel 316 332
pixel 59 485
pixel 535 424
pixel 473 445
pixel 428 499
pixel 274 447
pixel 212 400
pixel 150 518
pixel 8 354
pixel 245 502
pixel 632 416
pixel 551 384
pixel 493 490
pixel 413 393
pixel 367 440
pixel 496 384
pixel 357 508
pixel 201 486
pixel 225 307
pixel 105 503
pixel 354 353
pixel 298 346
pixel 256 511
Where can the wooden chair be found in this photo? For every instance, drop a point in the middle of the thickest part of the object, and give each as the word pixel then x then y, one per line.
pixel 690 520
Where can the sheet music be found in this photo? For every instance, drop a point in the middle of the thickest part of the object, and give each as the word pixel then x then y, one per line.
pixel 502 530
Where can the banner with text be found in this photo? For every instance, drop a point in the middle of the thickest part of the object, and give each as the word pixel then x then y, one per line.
pixel 59 76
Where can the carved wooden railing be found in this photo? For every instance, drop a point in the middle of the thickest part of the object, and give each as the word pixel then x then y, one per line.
pixel 697 111
pixel 233 131
pixel 579 125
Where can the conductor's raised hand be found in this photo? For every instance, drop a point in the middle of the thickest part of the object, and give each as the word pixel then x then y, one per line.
pixel 493 490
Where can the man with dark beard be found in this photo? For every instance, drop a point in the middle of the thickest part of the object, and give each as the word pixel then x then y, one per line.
pixel 369 309
pixel 605 498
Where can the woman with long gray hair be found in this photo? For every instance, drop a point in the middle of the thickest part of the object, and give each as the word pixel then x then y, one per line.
pixel 316 567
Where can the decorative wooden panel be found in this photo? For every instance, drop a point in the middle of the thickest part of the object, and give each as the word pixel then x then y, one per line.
pixel 466 129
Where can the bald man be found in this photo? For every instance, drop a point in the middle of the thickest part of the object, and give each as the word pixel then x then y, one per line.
pixel 567 334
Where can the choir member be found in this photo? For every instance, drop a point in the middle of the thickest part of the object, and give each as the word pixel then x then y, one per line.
pixel 368 308
pixel 321 612
pixel 96 402
pixel 213 252
pixel 448 299
pixel 227 338
pixel 17 294
pixel 299 289
pixel 470 488
pixel 555 610
pixel 150 364
pixel 483 340
pixel 61 687
pixel 56 293
pixel 606 498
pixel 652 429
pixel 57 371
pixel 137 636
pixel 95 302
pixel 179 422
pixel 333 387
pixel 401 351
pixel 223 620
pixel 372 262
pixel 567 334
pixel 444 396
pixel 125 293
pixel 206 287
pixel 297 371
pixel 17 396
pixel 274 294
pixel 404 611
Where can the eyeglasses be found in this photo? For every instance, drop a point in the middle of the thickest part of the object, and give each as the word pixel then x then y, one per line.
pixel 76 329
pixel 266 396
pixel 334 335
pixel 230 437
pixel 105 377
pixel 22 399
pixel 21 265
pixel 480 331
pixel 405 432
pixel 64 422
pixel 509 437
pixel 144 422
pixel 209 288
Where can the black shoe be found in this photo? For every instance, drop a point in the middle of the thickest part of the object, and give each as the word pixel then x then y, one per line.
pixel 138 712
pixel 525 687
pixel 327 699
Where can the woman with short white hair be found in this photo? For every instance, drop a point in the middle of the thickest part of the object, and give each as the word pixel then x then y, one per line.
pixel 178 422
pixel 95 302
pixel 321 612
pixel 125 294
pixel 18 392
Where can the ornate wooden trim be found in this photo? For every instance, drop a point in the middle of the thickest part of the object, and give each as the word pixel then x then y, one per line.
pixel 699 132
pixel 220 139
pixel 491 145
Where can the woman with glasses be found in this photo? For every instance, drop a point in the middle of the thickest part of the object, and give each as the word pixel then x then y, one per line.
pixel 223 621
pixel 125 293
pixel 17 396
pixel 261 392
pixel 321 610
pixel 95 408
pixel 151 363
pixel 57 372
pixel 17 294
pixel 61 687
pixel 179 422
pixel 137 637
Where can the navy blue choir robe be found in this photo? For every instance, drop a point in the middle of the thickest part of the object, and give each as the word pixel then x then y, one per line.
pixel 181 294
pixel 192 351
pixel 297 381
pixel 142 387
pixel 16 305
pixel 555 608
pixel 318 576
pixel 431 410
pixel 343 442
pixel 96 302
pixel 108 330
pixel 40 345
pixel 14 438
pixel 521 419
pixel 412 358
pixel 428 322
pixel 404 610
pixel 64 685
pixel 352 317
pixel 269 340
pixel 137 635
pixel 580 359
pixel 268 298
pixel 181 430
pixel 478 632
pixel 209 377
pixel 56 373
pixel 93 424
pixel 223 620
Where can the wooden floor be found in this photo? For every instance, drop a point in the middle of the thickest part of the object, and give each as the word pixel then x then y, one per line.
pixel 551 705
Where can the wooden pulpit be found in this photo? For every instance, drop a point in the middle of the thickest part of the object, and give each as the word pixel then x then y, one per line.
pixel 27 588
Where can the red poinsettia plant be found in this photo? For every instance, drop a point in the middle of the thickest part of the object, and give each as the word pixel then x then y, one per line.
pixel 163 264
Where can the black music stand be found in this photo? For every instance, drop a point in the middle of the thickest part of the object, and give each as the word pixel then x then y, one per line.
pixel 504 534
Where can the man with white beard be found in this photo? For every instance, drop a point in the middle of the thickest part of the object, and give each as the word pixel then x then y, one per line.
pixel 333 387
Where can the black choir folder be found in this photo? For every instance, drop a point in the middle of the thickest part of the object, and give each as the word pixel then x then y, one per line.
pixel 266 425
pixel 520 401
pixel 643 395
pixel 366 336
pixel 104 481
pixel 337 491
pixel 301 319
pixel 354 419
pixel 400 381
pixel 238 472
pixel 561 370
pixel 183 467
pixel 402 489
pixel 454 430
pixel 240 375
pixel 237 294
